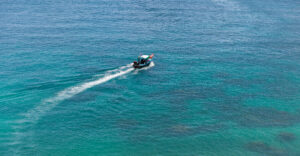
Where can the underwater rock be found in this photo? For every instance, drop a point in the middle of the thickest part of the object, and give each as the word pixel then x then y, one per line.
pixel 264 117
pixel 180 129
pixel 286 136
pixel 258 146
pixel 265 149
pixel 176 130
pixel 210 128
pixel 231 108
pixel 183 130
pixel 127 123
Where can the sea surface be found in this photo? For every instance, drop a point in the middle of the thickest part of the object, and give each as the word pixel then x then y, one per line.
pixel 225 78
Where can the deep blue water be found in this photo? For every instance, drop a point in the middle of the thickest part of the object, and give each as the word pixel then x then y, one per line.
pixel 225 78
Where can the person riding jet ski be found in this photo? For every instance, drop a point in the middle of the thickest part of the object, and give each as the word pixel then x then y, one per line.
pixel 143 61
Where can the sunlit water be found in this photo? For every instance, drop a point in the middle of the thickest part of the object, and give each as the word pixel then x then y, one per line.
pixel 226 79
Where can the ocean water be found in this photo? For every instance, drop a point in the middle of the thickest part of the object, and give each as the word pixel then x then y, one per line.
pixel 225 78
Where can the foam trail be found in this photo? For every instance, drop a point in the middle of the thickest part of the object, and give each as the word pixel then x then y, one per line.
pixel 145 68
pixel 36 113
pixel 22 127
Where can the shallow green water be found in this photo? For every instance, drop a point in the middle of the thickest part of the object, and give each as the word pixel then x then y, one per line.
pixel 225 78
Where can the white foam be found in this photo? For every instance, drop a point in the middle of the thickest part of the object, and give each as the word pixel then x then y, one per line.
pixel 37 112
pixel 145 68
pixel 34 115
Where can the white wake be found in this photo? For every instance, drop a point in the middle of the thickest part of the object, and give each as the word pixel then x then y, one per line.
pixel 31 117
pixel 145 68
pixel 36 113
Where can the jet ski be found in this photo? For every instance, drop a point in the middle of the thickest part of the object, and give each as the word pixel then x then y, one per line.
pixel 143 61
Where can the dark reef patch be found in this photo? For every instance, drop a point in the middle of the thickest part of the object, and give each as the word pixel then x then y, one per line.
pixel 127 123
pixel 185 130
pixel 231 108
pixel 180 129
pixel 264 117
pixel 265 149
pixel 182 95
pixel 286 136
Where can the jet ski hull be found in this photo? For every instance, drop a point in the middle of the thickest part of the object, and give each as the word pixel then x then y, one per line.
pixel 143 61
pixel 138 66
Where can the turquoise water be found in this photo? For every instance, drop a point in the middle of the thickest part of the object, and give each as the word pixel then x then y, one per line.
pixel 225 78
